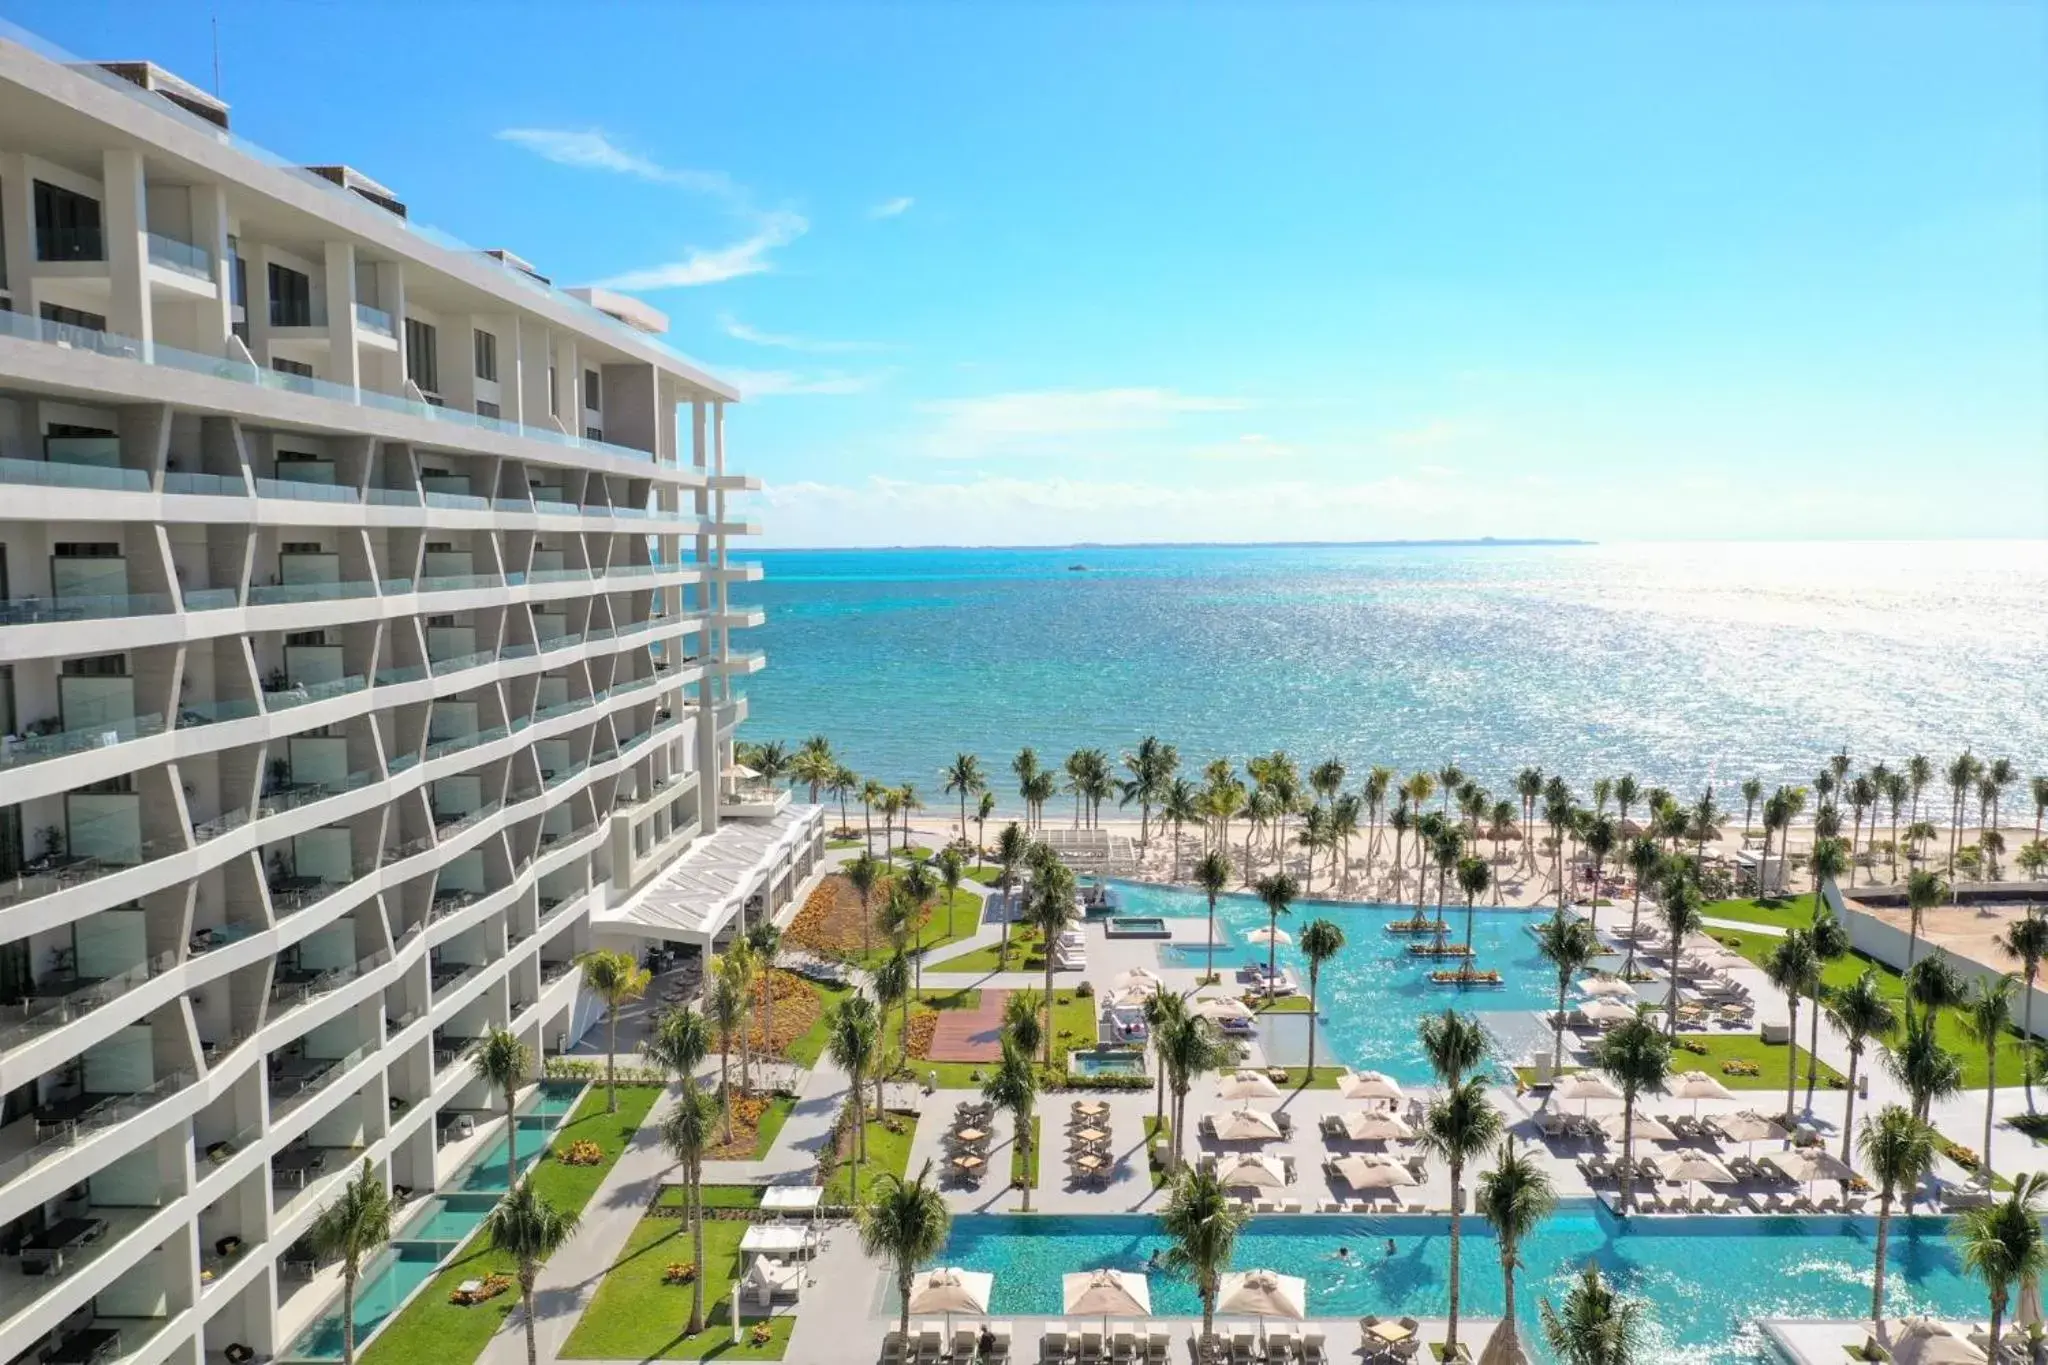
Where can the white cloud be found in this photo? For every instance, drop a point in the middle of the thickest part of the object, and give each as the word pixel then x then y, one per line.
pixel 754 336
pixel 892 208
pixel 968 427
pixel 701 265
pixel 779 383
pixel 1438 431
pixel 592 150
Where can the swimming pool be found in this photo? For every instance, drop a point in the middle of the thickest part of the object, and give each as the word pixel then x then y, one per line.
pixel 1105 1061
pixel 1707 1279
pixel 448 1218
pixel 388 1281
pixel 1373 992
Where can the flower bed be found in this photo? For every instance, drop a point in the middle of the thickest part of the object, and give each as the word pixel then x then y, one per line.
pixel 581 1152
pixel 1740 1067
pixel 480 1291
pixel 923 1024
pixel 793 1002
pixel 679 1272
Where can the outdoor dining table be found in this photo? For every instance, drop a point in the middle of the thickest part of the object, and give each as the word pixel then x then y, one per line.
pixel 1390 1332
pixel 969 1162
pixel 1089 1163
pixel 969 1135
pixel 1092 1135
pixel 1089 1109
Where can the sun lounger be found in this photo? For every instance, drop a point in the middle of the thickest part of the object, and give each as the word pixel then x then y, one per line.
pixel 1313 1350
pixel 1243 1348
pixel 1052 1346
pixel 1329 1206
pixel 1158 1344
pixel 1282 1348
pixel 1091 1348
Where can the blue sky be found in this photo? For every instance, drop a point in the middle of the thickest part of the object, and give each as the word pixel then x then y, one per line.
pixel 1047 272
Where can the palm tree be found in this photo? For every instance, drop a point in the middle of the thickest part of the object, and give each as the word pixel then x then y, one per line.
pixel 1962 777
pixel 1151 766
pixel 1321 940
pixel 764 945
pixel 890 981
pixel 1278 891
pixel 1212 874
pixel 1862 1011
pixel 526 1227
pixel 1924 891
pixel 2027 940
pixel 1934 985
pixel 983 809
pixel 1049 909
pixel 1454 1044
pixel 2002 1244
pixel 615 978
pixel 1637 1058
pixel 952 871
pixel 727 1012
pixel 1827 862
pixel 864 873
pixel 1473 878
pixel 1514 1197
pixel 1680 905
pixel 1793 969
pixel 350 1228
pixel 1987 1018
pixel 1898 1151
pixel 1400 821
pixel 853 1041
pixel 1459 1127
pixel 1644 860
pixel 1202 1222
pixel 1025 766
pixel 1178 805
pixel 964 778
pixel 844 783
pixel 1011 847
pixel 904 1223
pixel 1894 788
pixel 814 765
pixel 1014 1086
pixel 1596 1326
pixel 686 1136
pixel 502 1062
pixel 1924 1069
pixel 1161 1009
pixel 1570 946
pixel 1189 1048
pixel 1830 943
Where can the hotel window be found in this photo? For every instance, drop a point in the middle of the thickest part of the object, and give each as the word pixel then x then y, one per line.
pixel 73 317
pixel 291 297
pixel 592 395
pixel 297 367
pixel 67 226
pixel 487 357
pixel 96 666
pixel 420 366
pixel 486 409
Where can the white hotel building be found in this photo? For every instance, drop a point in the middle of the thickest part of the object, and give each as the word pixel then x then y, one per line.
pixel 365 656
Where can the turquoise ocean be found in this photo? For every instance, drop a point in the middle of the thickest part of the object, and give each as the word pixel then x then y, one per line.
pixel 1682 663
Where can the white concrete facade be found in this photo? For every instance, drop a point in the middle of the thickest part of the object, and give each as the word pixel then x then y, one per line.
pixel 364 636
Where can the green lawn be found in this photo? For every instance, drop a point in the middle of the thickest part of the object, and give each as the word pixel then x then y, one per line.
pixel 636 1317
pixel 1073 1025
pixel 1949 1028
pixel 948 924
pixel 1159 1129
pixel 887 1151
pixel 1019 1173
pixel 1781 912
pixel 1770 1058
pixel 430 1327
pixel 715 1196
pixel 810 1045
pixel 835 845
pixel 987 876
pixel 1025 955
pixel 1284 1004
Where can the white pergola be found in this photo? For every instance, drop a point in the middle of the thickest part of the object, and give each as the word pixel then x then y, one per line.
pixel 706 888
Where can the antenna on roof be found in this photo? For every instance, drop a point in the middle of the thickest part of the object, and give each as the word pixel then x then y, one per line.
pixel 216 56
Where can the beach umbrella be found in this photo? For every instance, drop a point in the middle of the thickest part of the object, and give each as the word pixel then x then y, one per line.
pixel 1584 1086
pixel 1220 1008
pixel 1748 1126
pixel 949 1291
pixel 1268 934
pixel 1106 1294
pixel 1248 1085
pixel 2028 1314
pixel 739 770
pixel 1504 1347
pixel 1244 1124
pixel 1363 1172
pixel 1924 1341
pixel 1697 1086
pixel 1263 1294
pixel 1604 1011
pixel 1136 981
pixel 1261 1172
pixel 1612 986
pixel 1648 1128
pixel 1809 1164
pixel 1376 1125
pixel 1369 1085
pixel 1692 1167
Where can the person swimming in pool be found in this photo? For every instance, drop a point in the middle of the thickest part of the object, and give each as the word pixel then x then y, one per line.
pixel 1343 1253
pixel 1390 1248
pixel 1153 1264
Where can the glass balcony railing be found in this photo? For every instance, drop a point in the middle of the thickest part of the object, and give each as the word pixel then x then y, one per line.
pixel 276 594
pixel 558 576
pixel 393 497
pixel 306 793
pixel 457 582
pixel 211 599
pixel 31 611
pixel 306 492
pixel 317 1074
pixel 375 320
pixel 310 692
pixel 37 1018
pixel 208 485
pixel 461 661
pixel 108 1112
pixel 193 714
pixel 390 677
pixel 59 474
pixel 453 822
pixel 394 587
pixel 183 257
pixel 17 753
pixel 295 894
pixel 554 508
pixel 468 502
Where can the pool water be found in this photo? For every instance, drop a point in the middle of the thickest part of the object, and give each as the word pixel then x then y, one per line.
pixel 449 1218
pixel 554 1099
pixel 486 1172
pixel 1707 1279
pixel 1105 1062
pixel 1373 992
pixel 387 1282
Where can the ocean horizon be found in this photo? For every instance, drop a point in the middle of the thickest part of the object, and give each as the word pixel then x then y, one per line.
pixel 1684 663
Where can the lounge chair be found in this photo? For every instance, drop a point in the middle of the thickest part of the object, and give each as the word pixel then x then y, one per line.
pixel 892 1348
pixel 1091 1348
pixel 1329 1206
pixel 1000 1351
pixel 1244 1349
pixel 1052 1346
pixel 1357 1206
pixel 1158 1344
pixel 1123 1344
pixel 931 1346
pixel 1313 1350
pixel 966 1341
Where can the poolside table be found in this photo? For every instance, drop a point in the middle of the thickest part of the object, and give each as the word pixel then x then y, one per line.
pixel 970 1135
pixel 1092 1109
pixel 969 1162
pixel 1390 1332
pixel 1092 1135
pixel 1089 1163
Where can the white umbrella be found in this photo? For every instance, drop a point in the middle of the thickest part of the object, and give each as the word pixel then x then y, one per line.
pixel 1248 1085
pixel 1373 1172
pixel 1584 1086
pixel 1647 1128
pixel 1369 1085
pixel 2028 1314
pixel 1504 1347
pixel 1245 1124
pixel 739 770
pixel 1264 1294
pixel 1136 981
pixel 1607 1011
pixel 1923 1341
pixel 951 1291
pixel 1364 1125
pixel 1748 1126
pixel 1263 1172
pixel 1106 1294
pixel 1809 1164
pixel 1697 1086
pixel 1609 986
pixel 1221 1008
pixel 1693 1166
pixel 1262 934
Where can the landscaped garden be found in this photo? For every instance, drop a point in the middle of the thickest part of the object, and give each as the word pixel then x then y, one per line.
pixel 888 1152
pixel 431 1328
pixel 641 1309
pixel 833 924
